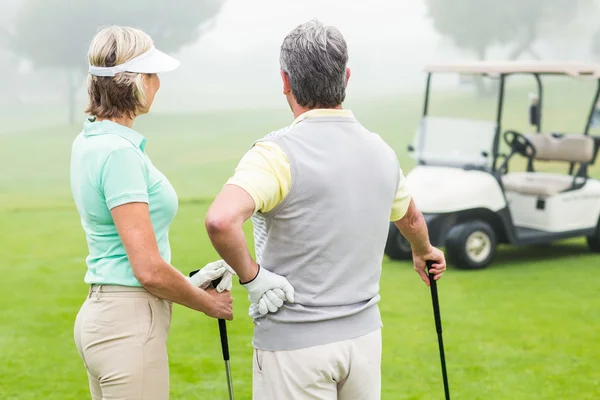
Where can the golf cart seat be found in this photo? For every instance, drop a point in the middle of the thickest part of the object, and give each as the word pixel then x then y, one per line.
pixel 576 149
pixel 541 184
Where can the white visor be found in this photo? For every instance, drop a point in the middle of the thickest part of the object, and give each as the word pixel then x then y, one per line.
pixel 151 62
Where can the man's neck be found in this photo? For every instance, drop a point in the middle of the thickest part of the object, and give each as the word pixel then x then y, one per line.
pixel 299 110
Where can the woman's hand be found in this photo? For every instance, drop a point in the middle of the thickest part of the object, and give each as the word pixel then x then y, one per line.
pixel 212 271
pixel 221 305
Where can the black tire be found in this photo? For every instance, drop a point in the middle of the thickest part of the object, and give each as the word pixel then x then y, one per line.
pixel 457 246
pixel 397 247
pixel 594 240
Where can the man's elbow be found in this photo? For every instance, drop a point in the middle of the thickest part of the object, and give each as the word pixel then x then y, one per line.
pixel 412 220
pixel 218 224
pixel 415 220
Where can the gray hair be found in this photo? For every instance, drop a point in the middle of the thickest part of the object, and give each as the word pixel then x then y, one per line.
pixel 314 57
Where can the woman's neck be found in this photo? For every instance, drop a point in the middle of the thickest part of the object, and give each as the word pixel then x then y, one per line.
pixel 125 121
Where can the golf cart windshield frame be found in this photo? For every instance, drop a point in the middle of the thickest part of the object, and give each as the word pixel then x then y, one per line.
pixel 502 77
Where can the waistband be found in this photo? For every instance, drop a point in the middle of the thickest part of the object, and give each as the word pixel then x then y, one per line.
pixel 271 335
pixel 118 291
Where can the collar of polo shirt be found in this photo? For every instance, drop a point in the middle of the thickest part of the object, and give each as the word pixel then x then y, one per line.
pixel 324 112
pixel 107 127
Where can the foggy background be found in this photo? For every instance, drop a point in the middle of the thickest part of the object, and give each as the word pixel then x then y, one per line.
pixel 525 329
pixel 229 49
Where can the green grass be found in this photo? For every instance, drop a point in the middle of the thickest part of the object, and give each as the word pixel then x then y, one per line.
pixel 526 328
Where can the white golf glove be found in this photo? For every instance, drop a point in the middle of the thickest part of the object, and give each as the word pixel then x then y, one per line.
pixel 271 301
pixel 212 271
pixel 267 291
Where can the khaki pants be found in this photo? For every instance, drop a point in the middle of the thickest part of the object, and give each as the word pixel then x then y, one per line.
pixel 348 370
pixel 121 335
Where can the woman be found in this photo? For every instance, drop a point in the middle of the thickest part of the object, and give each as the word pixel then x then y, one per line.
pixel 126 206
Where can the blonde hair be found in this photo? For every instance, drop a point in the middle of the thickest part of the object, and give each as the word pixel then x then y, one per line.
pixel 124 93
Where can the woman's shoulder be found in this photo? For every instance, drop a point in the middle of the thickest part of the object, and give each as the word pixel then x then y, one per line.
pixel 102 146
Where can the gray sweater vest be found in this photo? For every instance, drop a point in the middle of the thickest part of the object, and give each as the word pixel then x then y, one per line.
pixel 327 236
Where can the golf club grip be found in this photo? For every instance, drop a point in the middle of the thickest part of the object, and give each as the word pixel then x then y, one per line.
pixel 222 325
pixel 224 341
pixel 434 299
pixel 222 329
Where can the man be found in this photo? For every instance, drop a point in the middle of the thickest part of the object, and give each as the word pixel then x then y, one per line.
pixel 322 192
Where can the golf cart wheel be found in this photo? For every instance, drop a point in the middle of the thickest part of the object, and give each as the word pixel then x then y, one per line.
pixel 397 247
pixel 471 245
pixel 594 240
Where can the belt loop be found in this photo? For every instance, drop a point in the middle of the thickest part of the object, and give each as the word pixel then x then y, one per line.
pixel 98 292
pixel 90 291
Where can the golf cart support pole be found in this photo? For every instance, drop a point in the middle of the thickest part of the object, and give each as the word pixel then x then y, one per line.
pixel 590 118
pixel 540 100
pixel 591 114
pixel 498 122
pixel 427 87
pixel 438 327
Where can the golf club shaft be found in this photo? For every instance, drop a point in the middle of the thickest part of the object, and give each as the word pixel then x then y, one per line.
pixel 224 342
pixel 229 381
pixel 225 348
pixel 438 327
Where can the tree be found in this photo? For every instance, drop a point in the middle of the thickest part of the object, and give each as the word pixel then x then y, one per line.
pixel 477 25
pixel 535 19
pixel 57 33
pixel 8 62
pixel 596 44
pixel 473 25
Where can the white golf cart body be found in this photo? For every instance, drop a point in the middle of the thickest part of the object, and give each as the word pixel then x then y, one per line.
pixel 469 200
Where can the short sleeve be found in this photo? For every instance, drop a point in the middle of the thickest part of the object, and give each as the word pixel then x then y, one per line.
pixel 264 172
pixel 401 201
pixel 124 178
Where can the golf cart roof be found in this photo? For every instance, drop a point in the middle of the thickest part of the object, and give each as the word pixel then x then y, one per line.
pixel 513 67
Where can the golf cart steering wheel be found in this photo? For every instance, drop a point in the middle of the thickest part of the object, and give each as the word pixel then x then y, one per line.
pixel 519 143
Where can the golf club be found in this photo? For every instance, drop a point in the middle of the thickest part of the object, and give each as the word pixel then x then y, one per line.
pixel 224 343
pixel 438 328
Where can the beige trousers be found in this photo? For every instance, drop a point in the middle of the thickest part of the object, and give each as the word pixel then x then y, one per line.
pixel 348 370
pixel 121 335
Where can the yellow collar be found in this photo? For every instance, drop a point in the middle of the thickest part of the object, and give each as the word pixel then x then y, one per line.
pixel 323 112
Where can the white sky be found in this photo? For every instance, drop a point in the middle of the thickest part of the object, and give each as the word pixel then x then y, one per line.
pixel 244 24
pixel 237 62
pixel 389 41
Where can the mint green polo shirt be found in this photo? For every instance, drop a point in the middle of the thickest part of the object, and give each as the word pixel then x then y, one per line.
pixel 109 168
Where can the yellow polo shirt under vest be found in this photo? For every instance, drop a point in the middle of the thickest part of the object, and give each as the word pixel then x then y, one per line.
pixel 264 172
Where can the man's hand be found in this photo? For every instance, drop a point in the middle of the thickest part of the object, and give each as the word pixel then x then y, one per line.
pixel 221 305
pixel 267 291
pixel 212 271
pixel 438 267
pixel 271 301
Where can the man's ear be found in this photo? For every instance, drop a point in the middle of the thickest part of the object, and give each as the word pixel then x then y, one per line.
pixel 348 73
pixel 287 86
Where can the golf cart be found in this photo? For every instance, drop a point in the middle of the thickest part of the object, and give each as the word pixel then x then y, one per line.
pixel 471 199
